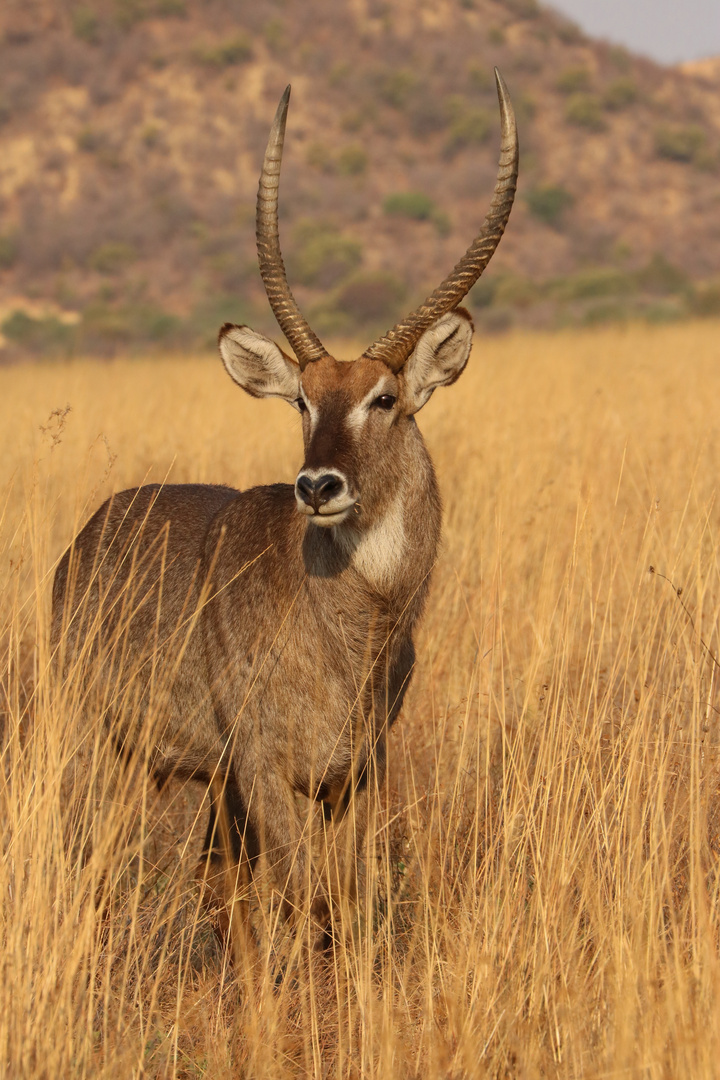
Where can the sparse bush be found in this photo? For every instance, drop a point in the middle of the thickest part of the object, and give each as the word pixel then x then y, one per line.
pixel 662 278
pixel 707 159
pixel 274 34
pixel 573 80
pixel 89 140
pixel 679 143
pixel 568 32
pixel 417 206
pixel 8 251
pixel 319 156
pixel 85 24
pixel 232 269
pixel 525 106
pixel 480 77
pixel 339 73
pixel 171 9
pixel 664 312
pixel 352 161
pixel 705 300
pixel 592 284
pixel 514 291
pixel 112 257
pixel 130 12
pixel 549 203
pixel 39 336
pixel 469 126
pixel 394 87
pixel 523 9
pixel 369 299
pixel 496 35
pixel 353 121
pixel 619 57
pixel 497 320
pixel 442 223
pixel 482 293
pixel 597 314
pixel 409 204
pixel 212 312
pixel 106 327
pixel 585 111
pixel 151 135
pixel 321 255
pixel 620 93
pixel 233 50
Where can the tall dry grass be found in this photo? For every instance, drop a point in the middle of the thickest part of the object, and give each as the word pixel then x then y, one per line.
pixel 542 878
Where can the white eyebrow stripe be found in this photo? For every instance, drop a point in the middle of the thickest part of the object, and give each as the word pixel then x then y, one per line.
pixel 313 410
pixel 357 415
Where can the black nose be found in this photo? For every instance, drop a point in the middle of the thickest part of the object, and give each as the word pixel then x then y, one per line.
pixel 319 491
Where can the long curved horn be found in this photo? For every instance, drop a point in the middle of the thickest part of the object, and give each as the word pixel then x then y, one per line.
pixel 395 346
pixel 306 344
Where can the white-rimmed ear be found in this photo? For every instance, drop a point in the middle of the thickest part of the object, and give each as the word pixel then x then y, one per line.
pixel 438 358
pixel 257 364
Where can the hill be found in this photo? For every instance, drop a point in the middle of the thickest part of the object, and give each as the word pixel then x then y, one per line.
pixel 131 133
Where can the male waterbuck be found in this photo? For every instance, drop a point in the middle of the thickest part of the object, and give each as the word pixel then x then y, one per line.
pixel 265 637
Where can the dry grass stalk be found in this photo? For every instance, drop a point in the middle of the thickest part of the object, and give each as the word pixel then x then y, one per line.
pixel 542 880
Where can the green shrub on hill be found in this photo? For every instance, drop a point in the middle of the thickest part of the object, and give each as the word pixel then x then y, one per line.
pixel 548 203
pixel 237 49
pixel 573 80
pixel 85 24
pixel 394 87
pixel 409 204
pixel 585 110
pixel 106 327
pixel 621 93
pixel 39 336
pixel 8 251
pixel 112 257
pixel 352 161
pixel 320 255
pixel 523 9
pixel 515 291
pixel 591 283
pixel 469 125
pixel 662 278
pixel 367 302
pixel 705 300
pixel 682 144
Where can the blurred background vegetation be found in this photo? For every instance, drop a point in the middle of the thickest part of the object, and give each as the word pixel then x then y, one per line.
pixel 131 133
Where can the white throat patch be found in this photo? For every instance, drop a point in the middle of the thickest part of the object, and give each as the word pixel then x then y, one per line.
pixel 377 553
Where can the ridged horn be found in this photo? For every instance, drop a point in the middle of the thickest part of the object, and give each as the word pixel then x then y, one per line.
pixel 395 346
pixel 305 343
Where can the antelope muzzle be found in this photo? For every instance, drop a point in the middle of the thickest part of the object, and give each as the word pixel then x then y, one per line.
pixel 324 496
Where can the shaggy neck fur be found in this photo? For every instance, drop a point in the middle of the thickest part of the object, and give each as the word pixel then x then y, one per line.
pixel 393 550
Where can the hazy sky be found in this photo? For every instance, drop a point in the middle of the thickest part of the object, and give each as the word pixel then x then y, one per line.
pixel 666 30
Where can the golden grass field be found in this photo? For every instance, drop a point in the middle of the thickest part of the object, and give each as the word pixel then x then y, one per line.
pixel 543 877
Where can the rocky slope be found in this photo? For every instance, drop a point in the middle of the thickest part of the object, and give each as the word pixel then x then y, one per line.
pixel 131 133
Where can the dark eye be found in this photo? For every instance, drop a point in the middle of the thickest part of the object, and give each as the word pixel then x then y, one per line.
pixel 385 401
pixel 302 407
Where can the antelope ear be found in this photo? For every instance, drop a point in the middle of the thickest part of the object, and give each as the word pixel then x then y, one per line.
pixel 439 357
pixel 257 364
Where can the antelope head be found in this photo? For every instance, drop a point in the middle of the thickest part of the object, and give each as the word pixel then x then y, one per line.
pixel 358 417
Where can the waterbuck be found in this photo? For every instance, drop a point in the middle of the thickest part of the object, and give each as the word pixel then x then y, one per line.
pixel 264 638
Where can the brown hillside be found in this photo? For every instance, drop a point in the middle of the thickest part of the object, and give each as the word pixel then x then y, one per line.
pixel 131 133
